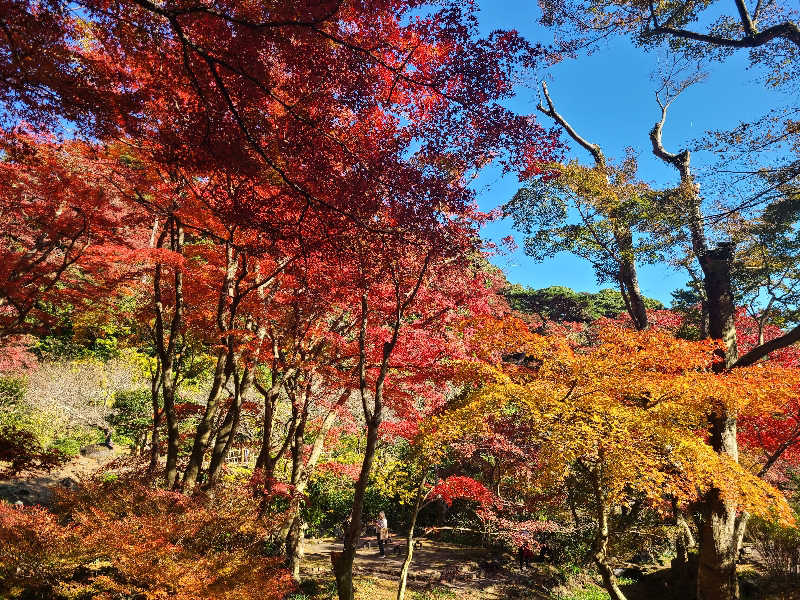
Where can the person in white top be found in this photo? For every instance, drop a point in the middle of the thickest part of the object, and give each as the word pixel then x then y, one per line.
pixel 382 527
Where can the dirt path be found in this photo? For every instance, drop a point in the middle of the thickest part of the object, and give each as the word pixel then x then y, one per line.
pixel 37 488
pixel 464 569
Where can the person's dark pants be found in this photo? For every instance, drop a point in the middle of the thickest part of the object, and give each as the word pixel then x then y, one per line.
pixel 380 546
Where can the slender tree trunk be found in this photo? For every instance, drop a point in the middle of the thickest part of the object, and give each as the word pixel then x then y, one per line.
pixel 203 432
pixel 600 545
pixel 155 386
pixel 343 564
pixel 173 433
pixel 166 342
pixel 264 460
pixel 225 365
pixel 344 580
pixel 228 429
pixel 401 587
pixel 300 477
pixel 354 531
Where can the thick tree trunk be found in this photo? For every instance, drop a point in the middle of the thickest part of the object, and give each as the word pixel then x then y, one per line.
pixel 719 297
pixel 294 547
pixel 342 563
pixel 628 278
pixel 401 587
pixel 719 534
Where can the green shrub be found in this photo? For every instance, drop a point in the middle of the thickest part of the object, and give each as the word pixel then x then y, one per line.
pixel 778 546
pixel 133 416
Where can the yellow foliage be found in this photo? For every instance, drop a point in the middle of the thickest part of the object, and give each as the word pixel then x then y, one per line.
pixel 629 410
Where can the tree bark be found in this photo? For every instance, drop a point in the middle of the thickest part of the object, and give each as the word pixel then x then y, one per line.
pixel 222 372
pixel 228 429
pixel 600 545
pixel 294 547
pixel 401 587
pixel 155 387
pixel 167 347
pixel 173 432
pixel 719 535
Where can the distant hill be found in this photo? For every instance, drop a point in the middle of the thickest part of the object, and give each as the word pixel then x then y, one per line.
pixel 559 303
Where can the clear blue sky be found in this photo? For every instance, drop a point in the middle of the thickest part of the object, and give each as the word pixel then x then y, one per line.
pixel 609 98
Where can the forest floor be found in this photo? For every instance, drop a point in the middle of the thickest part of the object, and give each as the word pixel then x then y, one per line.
pixel 439 571
pixel 37 487
pixel 436 565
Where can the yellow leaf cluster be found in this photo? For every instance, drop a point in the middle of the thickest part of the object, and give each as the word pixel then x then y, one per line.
pixel 630 410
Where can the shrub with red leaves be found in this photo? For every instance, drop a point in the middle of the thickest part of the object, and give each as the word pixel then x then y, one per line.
pixel 120 538
pixel 20 451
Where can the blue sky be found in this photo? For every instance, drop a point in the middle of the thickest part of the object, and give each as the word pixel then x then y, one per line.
pixel 609 98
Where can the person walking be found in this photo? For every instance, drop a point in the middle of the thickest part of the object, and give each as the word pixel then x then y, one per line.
pixel 382 527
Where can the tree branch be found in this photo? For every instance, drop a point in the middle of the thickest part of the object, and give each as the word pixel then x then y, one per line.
pixel 759 352
pixel 551 112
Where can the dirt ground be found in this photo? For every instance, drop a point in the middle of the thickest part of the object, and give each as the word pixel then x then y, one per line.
pixel 466 572
pixel 37 488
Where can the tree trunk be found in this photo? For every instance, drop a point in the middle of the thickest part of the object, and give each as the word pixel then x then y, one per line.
pixel 203 432
pixel 401 588
pixel 600 545
pixel 294 546
pixel 228 429
pixel 628 278
pixel 173 433
pixel 167 346
pixel 342 563
pixel 300 477
pixel 158 414
pixel 353 533
pixel 716 576
pixel 719 534
pixel 226 361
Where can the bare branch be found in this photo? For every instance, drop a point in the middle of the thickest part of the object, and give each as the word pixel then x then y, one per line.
pixel 551 112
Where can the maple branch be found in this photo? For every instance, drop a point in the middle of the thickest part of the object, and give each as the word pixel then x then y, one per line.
pixel 783 447
pixel 362 357
pixel 200 9
pixel 759 352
